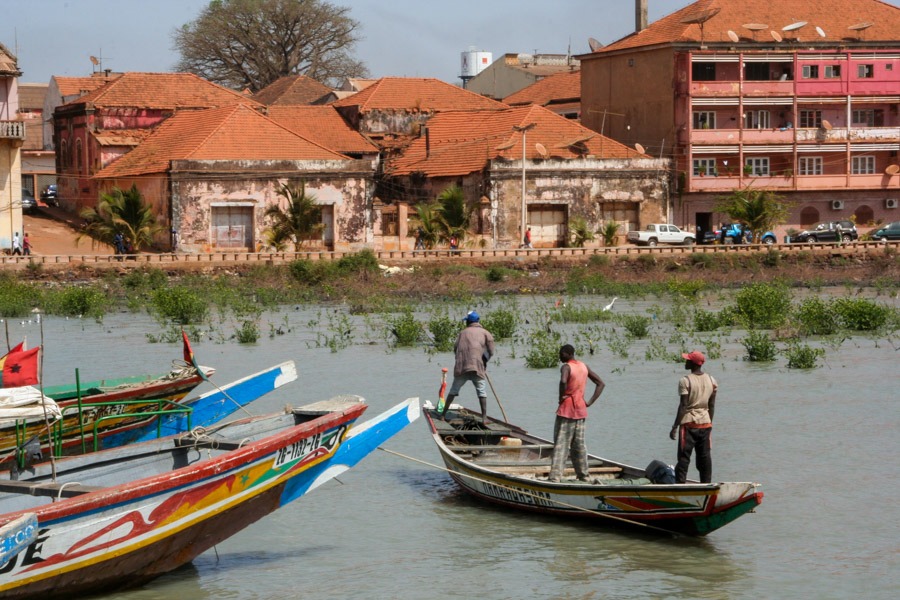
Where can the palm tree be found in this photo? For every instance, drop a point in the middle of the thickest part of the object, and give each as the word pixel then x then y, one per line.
pixel 758 210
pixel 301 221
pixel 455 213
pixel 431 220
pixel 580 231
pixel 122 212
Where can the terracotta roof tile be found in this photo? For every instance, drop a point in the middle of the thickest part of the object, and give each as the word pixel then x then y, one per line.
pixel 423 94
pixel 78 86
pixel 834 17
pixel 292 90
pixel 121 137
pixel 164 91
pixel 236 132
pixel 556 88
pixel 8 65
pixel 323 125
pixel 462 142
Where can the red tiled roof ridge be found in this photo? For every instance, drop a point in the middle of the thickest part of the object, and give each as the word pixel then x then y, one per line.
pixel 367 98
pixel 561 86
pixel 180 82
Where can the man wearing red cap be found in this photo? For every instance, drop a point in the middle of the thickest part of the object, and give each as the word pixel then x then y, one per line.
pixel 693 423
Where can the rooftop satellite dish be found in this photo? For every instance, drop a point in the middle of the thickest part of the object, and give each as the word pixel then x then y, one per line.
pixel 700 18
pixel 794 26
pixel 775 35
pixel 861 26
pixel 826 125
pixel 733 36
pixel 892 169
pixel 754 26
pixel 541 150
pixel 594 44
pixel 506 146
pixel 639 148
pixel 820 31
pixel 95 60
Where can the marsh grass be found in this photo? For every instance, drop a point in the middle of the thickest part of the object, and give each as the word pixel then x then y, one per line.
pixel 543 349
pixel 179 304
pixel 759 347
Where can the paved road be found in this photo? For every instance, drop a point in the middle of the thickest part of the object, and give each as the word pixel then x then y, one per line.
pixel 52 232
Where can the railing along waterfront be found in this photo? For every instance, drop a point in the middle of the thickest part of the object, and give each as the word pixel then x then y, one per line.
pixel 395 256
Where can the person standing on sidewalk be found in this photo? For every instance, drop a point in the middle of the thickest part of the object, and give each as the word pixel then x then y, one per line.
pixel 16 244
pixel 693 421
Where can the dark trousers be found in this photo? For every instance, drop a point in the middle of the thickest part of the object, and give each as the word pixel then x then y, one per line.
pixel 690 438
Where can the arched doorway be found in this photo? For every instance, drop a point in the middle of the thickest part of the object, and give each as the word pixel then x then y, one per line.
pixel 864 216
pixel 809 216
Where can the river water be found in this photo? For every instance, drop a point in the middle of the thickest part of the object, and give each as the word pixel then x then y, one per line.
pixel 823 443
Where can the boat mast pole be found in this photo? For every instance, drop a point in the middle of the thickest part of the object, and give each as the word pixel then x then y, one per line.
pixel 40 321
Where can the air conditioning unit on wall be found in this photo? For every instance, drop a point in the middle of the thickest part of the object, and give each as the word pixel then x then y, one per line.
pixel 891 202
pixel 837 205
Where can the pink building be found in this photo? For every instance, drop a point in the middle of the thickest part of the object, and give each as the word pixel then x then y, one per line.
pixel 797 96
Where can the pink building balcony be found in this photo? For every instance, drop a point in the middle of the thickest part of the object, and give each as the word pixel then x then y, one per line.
pixel 728 183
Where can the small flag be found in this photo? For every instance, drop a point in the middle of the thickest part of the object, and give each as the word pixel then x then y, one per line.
pixel 189 357
pixel 19 368
pixel 20 347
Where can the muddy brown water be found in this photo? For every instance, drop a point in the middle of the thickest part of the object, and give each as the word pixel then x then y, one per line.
pixel 823 444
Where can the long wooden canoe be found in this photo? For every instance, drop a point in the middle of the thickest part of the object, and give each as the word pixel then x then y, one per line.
pixel 503 464
pixel 118 518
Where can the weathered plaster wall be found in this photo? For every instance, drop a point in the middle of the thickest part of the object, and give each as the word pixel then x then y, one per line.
pixel 396 122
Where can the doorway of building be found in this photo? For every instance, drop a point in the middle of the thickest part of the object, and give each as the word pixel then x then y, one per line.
pixel 232 228
pixel 328 222
pixel 548 224
pixel 704 223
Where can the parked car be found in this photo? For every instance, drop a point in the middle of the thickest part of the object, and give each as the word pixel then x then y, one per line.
pixel 49 195
pixel 29 204
pixel 660 233
pixel 890 232
pixel 828 231
pixel 737 233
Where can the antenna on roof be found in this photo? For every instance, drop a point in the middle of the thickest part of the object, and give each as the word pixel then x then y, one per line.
pixel 860 27
pixel 754 27
pixel 595 44
pixel 541 150
pixel 795 27
pixel 700 18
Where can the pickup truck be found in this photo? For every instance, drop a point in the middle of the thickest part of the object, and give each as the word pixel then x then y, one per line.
pixel 660 233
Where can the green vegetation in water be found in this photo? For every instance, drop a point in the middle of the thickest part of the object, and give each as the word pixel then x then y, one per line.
pixel 247 333
pixel 760 347
pixel 444 330
pixel 637 326
pixel 762 305
pixel 801 356
pixel 543 350
pixel 405 329
pixel 501 322
pixel 179 304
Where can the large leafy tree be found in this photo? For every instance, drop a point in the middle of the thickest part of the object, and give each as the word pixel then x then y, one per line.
pixel 120 211
pixel 758 210
pixel 251 43
pixel 300 221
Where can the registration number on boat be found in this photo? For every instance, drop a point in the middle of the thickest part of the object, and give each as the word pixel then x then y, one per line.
pixel 297 450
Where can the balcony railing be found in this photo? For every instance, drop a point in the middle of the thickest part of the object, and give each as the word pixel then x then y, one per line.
pixel 718 183
pixel 12 130
pixel 786 136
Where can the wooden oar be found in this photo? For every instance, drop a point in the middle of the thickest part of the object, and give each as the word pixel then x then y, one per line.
pixel 488 376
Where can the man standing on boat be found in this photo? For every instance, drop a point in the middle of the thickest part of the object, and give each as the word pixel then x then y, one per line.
pixel 693 422
pixel 474 347
pixel 568 431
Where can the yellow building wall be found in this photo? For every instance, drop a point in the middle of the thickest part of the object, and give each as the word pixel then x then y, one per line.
pixel 10 192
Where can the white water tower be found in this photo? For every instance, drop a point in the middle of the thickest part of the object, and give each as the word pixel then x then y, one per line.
pixel 473 62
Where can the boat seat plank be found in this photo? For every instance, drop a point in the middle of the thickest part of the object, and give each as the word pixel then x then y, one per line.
pixel 324 407
pixel 468 448
pixel 208 442
pixel 34 488
pixel 476 433
pixel 537 469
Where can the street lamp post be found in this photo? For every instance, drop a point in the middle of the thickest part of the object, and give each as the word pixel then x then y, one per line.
pixel 523 129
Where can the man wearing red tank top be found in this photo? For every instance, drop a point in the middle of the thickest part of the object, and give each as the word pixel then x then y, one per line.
pixel 568 431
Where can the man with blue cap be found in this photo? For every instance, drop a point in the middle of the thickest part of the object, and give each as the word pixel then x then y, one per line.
pixel 474 347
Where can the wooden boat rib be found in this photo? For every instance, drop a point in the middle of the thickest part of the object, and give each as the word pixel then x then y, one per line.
pixel 503 464
pixel 136 512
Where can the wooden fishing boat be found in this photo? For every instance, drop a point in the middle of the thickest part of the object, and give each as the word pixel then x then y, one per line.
pixel 503 464
pixel 118 518
pixel 113 404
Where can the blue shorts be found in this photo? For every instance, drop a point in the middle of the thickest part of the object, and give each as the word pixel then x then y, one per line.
pixel 460 380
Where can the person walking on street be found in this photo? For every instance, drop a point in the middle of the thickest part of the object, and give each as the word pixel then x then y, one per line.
pixel 568 431
pixel 420 239
pixel 526 243
pixel 26 245
pixel 474 347
pixel 693 421
pixel 16 244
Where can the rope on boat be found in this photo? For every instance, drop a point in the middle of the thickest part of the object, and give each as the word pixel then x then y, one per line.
pixel 63 486
pixel 527 493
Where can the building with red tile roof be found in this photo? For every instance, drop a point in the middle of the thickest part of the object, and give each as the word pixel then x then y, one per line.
pixel 513 72
pixel 798 97
pixel 325 126
pixel 292 90
pixel 211 174
pixel 570 171
pixel 399 105
pixel 62 90
pixel 561 93
pixel 131 101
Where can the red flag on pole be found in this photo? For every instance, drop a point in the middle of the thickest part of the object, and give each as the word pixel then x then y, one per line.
pixel 19 368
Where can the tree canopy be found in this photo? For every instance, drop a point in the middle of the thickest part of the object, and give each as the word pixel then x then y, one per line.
pixel 120 211
pixel 299 222
pixel 251 43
